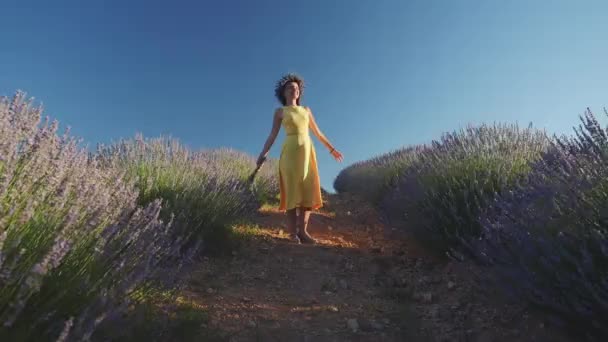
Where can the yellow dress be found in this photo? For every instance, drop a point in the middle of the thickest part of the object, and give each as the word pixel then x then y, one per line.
pixel 299 180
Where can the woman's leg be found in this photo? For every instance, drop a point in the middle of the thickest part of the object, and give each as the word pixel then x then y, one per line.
pixel 292 224
pixel 303 225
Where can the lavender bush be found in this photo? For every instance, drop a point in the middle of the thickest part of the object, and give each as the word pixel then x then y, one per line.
pixel 205 191
pixel 372 179
pixel 73 242
pixel 533 210
pixel 81 233
pixel 546 241
pixel 441 188
pixel 232 163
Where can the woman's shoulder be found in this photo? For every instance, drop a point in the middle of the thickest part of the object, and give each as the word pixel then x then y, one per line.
pixel 307 110
pixel 278 112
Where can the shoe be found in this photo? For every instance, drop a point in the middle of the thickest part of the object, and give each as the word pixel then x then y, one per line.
pixel 305 238
pixel 295 238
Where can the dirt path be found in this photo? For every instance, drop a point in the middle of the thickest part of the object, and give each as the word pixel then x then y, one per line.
pixel 355 285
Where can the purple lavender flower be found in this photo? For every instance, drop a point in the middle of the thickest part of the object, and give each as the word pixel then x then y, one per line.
pixel 81 232
pixel 546 241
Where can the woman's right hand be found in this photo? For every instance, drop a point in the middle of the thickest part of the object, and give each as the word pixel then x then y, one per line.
pixel 261 160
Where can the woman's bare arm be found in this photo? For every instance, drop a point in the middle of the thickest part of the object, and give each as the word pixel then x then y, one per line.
pixel 317 131
pixel 276 126
pixel 322 138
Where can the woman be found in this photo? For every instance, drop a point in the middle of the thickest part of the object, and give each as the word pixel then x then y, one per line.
pixel 299 181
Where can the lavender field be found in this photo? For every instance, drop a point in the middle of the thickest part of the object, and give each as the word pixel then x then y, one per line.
pixel 530 208
pixel 84 234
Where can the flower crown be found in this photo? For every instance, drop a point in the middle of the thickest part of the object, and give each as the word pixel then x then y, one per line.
pixel 290 77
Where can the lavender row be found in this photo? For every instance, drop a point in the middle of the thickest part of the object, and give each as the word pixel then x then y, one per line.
pixel 454 179
pixel 206 190
pixel 371 179
pixel 530 208
pixel 80 232
pixel 546 240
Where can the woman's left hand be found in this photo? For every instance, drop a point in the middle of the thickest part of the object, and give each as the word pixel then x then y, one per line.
pixel 337 155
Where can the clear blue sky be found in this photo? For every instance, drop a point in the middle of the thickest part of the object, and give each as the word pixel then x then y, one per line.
pixel 380 74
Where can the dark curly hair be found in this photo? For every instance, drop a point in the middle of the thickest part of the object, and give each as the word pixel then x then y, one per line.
pixel 280 87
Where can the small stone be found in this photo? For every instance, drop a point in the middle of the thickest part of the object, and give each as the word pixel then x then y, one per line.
pixel 486 335
pixel 426 297
pixel 330 284
pixel 365 325
pixel 451 285
pixel 352 324
pixel 435 279
pixel 542 325
pixel 386 321
pixel 434 311
pixel 251 324
pixel 246 299
pixel 332 308
pixel 376 249
pixel 330 228
pixel 377 325
pixel 348 213
pixel 327 292
pixel 210 290
pixel 402 293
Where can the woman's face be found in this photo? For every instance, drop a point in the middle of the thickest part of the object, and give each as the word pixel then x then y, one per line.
pixel 292 91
